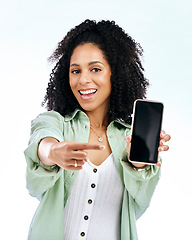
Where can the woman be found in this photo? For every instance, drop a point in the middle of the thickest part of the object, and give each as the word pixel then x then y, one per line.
pixel 77 164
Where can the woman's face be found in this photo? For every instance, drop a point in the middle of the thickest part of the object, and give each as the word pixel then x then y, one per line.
pixel 90 77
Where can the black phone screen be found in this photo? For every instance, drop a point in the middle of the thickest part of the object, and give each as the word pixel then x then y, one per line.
pixel 146 131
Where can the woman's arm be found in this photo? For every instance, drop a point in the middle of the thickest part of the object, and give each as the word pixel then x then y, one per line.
pixel 141 184
pixel 39 176
pixel 48 153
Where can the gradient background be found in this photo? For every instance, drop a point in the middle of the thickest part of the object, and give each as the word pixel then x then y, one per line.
pixel 30 31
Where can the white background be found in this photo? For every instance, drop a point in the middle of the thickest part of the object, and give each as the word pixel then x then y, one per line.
pixel 29 32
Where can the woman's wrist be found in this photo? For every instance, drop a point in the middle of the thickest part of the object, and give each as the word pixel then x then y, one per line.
pixel 44 150
pixel 138 166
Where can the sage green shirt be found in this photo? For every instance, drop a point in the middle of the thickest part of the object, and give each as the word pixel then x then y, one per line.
pixel 52 185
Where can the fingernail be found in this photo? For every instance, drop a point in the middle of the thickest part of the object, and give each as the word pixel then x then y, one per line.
pixel 162 134
pixel 161 149
pixel 101 147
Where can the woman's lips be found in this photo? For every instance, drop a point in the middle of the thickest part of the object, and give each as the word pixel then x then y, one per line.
pixel 87 94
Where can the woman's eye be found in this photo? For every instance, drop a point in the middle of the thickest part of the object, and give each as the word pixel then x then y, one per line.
pixel 76 71
pixel 96 70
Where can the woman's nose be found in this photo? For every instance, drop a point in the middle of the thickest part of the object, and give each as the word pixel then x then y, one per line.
pixel 84 78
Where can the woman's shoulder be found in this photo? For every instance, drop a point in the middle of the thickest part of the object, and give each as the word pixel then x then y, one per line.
pixel 50 114
pixel 47 119
pixel 56 116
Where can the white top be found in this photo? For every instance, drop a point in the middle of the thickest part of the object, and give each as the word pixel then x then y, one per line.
pixel 92 210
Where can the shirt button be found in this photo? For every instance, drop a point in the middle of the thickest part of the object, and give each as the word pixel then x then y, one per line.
pixel 86 217
pixel 90 201
pixel 95 170
pixel 82 234
pixel 93 185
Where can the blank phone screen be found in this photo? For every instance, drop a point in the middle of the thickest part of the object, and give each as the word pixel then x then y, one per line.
pixel 146 131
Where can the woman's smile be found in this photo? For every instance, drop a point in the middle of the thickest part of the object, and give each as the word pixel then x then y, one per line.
pixel 87 94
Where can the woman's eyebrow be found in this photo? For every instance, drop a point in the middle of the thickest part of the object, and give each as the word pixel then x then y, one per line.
pixel 91 63
pixel 74 65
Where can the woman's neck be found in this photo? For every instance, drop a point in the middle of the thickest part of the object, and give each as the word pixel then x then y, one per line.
pixel 98 119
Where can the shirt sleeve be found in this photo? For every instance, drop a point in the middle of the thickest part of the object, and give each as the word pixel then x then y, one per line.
pixel 40 177
pixel 140 184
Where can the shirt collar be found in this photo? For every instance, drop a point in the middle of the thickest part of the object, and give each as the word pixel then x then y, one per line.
pixel 77 113
pixel 80 114
pixel 121 122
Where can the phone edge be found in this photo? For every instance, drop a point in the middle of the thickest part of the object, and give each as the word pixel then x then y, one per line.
pixel 144 100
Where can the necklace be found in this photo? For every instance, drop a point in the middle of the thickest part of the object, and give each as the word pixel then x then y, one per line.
pixel 99 138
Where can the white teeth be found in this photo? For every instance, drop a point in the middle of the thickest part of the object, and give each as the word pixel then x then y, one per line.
pixel 87 91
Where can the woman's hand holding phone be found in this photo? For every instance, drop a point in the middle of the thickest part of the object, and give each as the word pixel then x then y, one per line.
pixel 164 138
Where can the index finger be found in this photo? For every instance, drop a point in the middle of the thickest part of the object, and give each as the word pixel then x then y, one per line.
pixel 87 146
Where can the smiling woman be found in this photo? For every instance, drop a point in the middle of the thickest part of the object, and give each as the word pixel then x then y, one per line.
pixel 90 78
pixel 85 187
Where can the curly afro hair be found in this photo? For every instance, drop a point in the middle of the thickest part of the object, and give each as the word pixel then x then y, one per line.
pixel 124 57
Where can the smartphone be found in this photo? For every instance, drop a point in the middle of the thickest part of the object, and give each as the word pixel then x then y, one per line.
pixel 146 128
